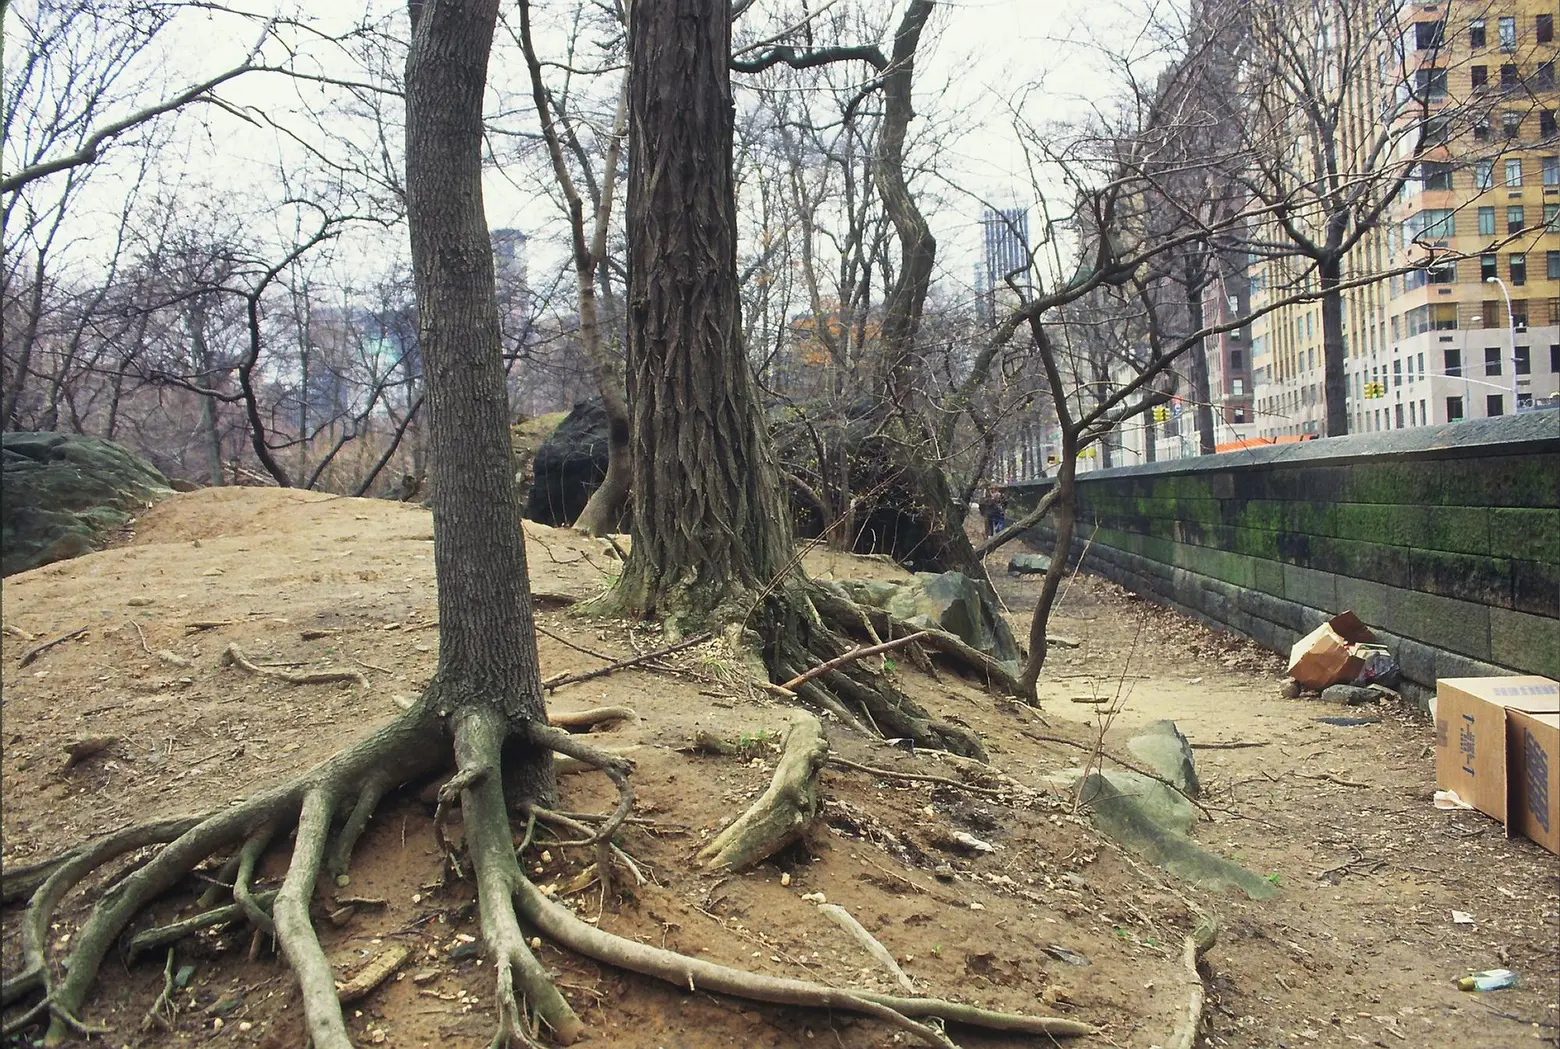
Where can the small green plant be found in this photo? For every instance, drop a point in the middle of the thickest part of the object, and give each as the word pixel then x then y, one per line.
pixel 1273 878
pixel 889 664
pixel 937 949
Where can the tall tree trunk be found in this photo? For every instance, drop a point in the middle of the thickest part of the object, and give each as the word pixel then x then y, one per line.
pixel 1335 381
pixel 487 640
pixel 708 519
pixel 211 436
pixel 917 246
pixel 1201 394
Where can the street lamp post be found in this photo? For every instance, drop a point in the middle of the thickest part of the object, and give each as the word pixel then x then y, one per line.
pixel 1511 327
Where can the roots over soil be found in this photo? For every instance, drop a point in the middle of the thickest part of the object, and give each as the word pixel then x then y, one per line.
pixel 496 762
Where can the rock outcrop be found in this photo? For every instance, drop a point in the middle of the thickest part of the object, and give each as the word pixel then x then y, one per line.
pixel 63 495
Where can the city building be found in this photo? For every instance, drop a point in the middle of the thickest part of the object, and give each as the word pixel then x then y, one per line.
pixel 1005 238
pixel 1472 329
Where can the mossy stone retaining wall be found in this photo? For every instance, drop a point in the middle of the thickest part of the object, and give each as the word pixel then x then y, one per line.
pixel 1445 540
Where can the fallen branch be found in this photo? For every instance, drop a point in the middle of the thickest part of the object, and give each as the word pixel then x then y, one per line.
pixel 1234 744
pixel 162 653
pixel 376 972
pixel 38 650
pixel 235 656
pixel 850 657
pixel 559 680
pixel 82 749
pixel 782 813
pixel 847 921
pixel 16 631
pixel 1328 777
pixel 914 777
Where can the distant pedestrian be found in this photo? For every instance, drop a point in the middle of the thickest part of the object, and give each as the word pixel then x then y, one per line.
pixel 994 509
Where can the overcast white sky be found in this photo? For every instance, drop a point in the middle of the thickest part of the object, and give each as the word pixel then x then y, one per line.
pixel 982 57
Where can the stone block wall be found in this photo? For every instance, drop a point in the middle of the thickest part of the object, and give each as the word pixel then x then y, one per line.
pixel 1445 540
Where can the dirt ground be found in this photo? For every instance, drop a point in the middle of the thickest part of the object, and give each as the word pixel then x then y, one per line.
pixel 1358 947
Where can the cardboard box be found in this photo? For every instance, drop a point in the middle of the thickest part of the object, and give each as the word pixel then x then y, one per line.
pixel 1322 657
pixel 1471 734
pixel 1533 773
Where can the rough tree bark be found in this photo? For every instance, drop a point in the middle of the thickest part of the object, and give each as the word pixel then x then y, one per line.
pixel 706 496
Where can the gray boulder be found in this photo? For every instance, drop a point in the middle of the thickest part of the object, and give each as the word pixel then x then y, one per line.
pixel 1350 695
pixel 1162 748
pixel 959 605
pixel 63 495
pixel 1029 564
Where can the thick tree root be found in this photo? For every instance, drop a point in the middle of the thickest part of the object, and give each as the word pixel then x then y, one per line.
pixel 295 932
pixel 562 926
pixel 782 813
pixel 1195 946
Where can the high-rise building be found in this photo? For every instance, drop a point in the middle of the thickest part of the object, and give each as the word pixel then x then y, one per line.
pixel 1472 329
pixel 1005 236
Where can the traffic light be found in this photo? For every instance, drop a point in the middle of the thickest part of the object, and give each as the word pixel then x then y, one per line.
pixel 1374 390
pixel 1161 414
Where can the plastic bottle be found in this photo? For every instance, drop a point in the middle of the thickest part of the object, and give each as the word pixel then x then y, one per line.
pixel 1489 980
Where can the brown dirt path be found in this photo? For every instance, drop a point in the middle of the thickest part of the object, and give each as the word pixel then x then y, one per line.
pixel 268 565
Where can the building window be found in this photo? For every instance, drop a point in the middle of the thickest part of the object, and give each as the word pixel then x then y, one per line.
pixel 1491 314
pixel 1476 33
pixel 1509 81
pixel 1486 222
pixel 1430 84
pixel 1238 360
pixel 1431 224
pixel 1546 75
pixel 1514 171
pixel 1507 28
pixel 1552 265
pixel 1519 314
pixel 1511 124
pixel 1544 29
pixel 1237 387
pixel 1481 128
pixel 1494 405
pixel 1518 265
pixel 1436 175
pixel 1515 218
pixel 1398 415
pixel 1492 360
pixel 1454 409
pixel 1521 360
pixel 1397 373
pixel 1442 273
pixel 1488 266
pixel 1453 362
pixel 1546 123
pixel 1549 167
pixel 1429 35
pixel 1413 414
pixel 1483 174
pixel 1554 357
pixel 1480 77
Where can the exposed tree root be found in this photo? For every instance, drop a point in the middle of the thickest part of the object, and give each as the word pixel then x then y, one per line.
pixel 235 656
pixel 782 813
pixel 575 720
pixel 38 650
pixel 847 921
pixel 1195 946
pixel 916 777
pixel 851 656
pixel 566 929
pixel 408 750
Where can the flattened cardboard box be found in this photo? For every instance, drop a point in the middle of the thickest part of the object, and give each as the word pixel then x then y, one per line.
pixel 1470 733
pixel 1533 774
pixel 1322 657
